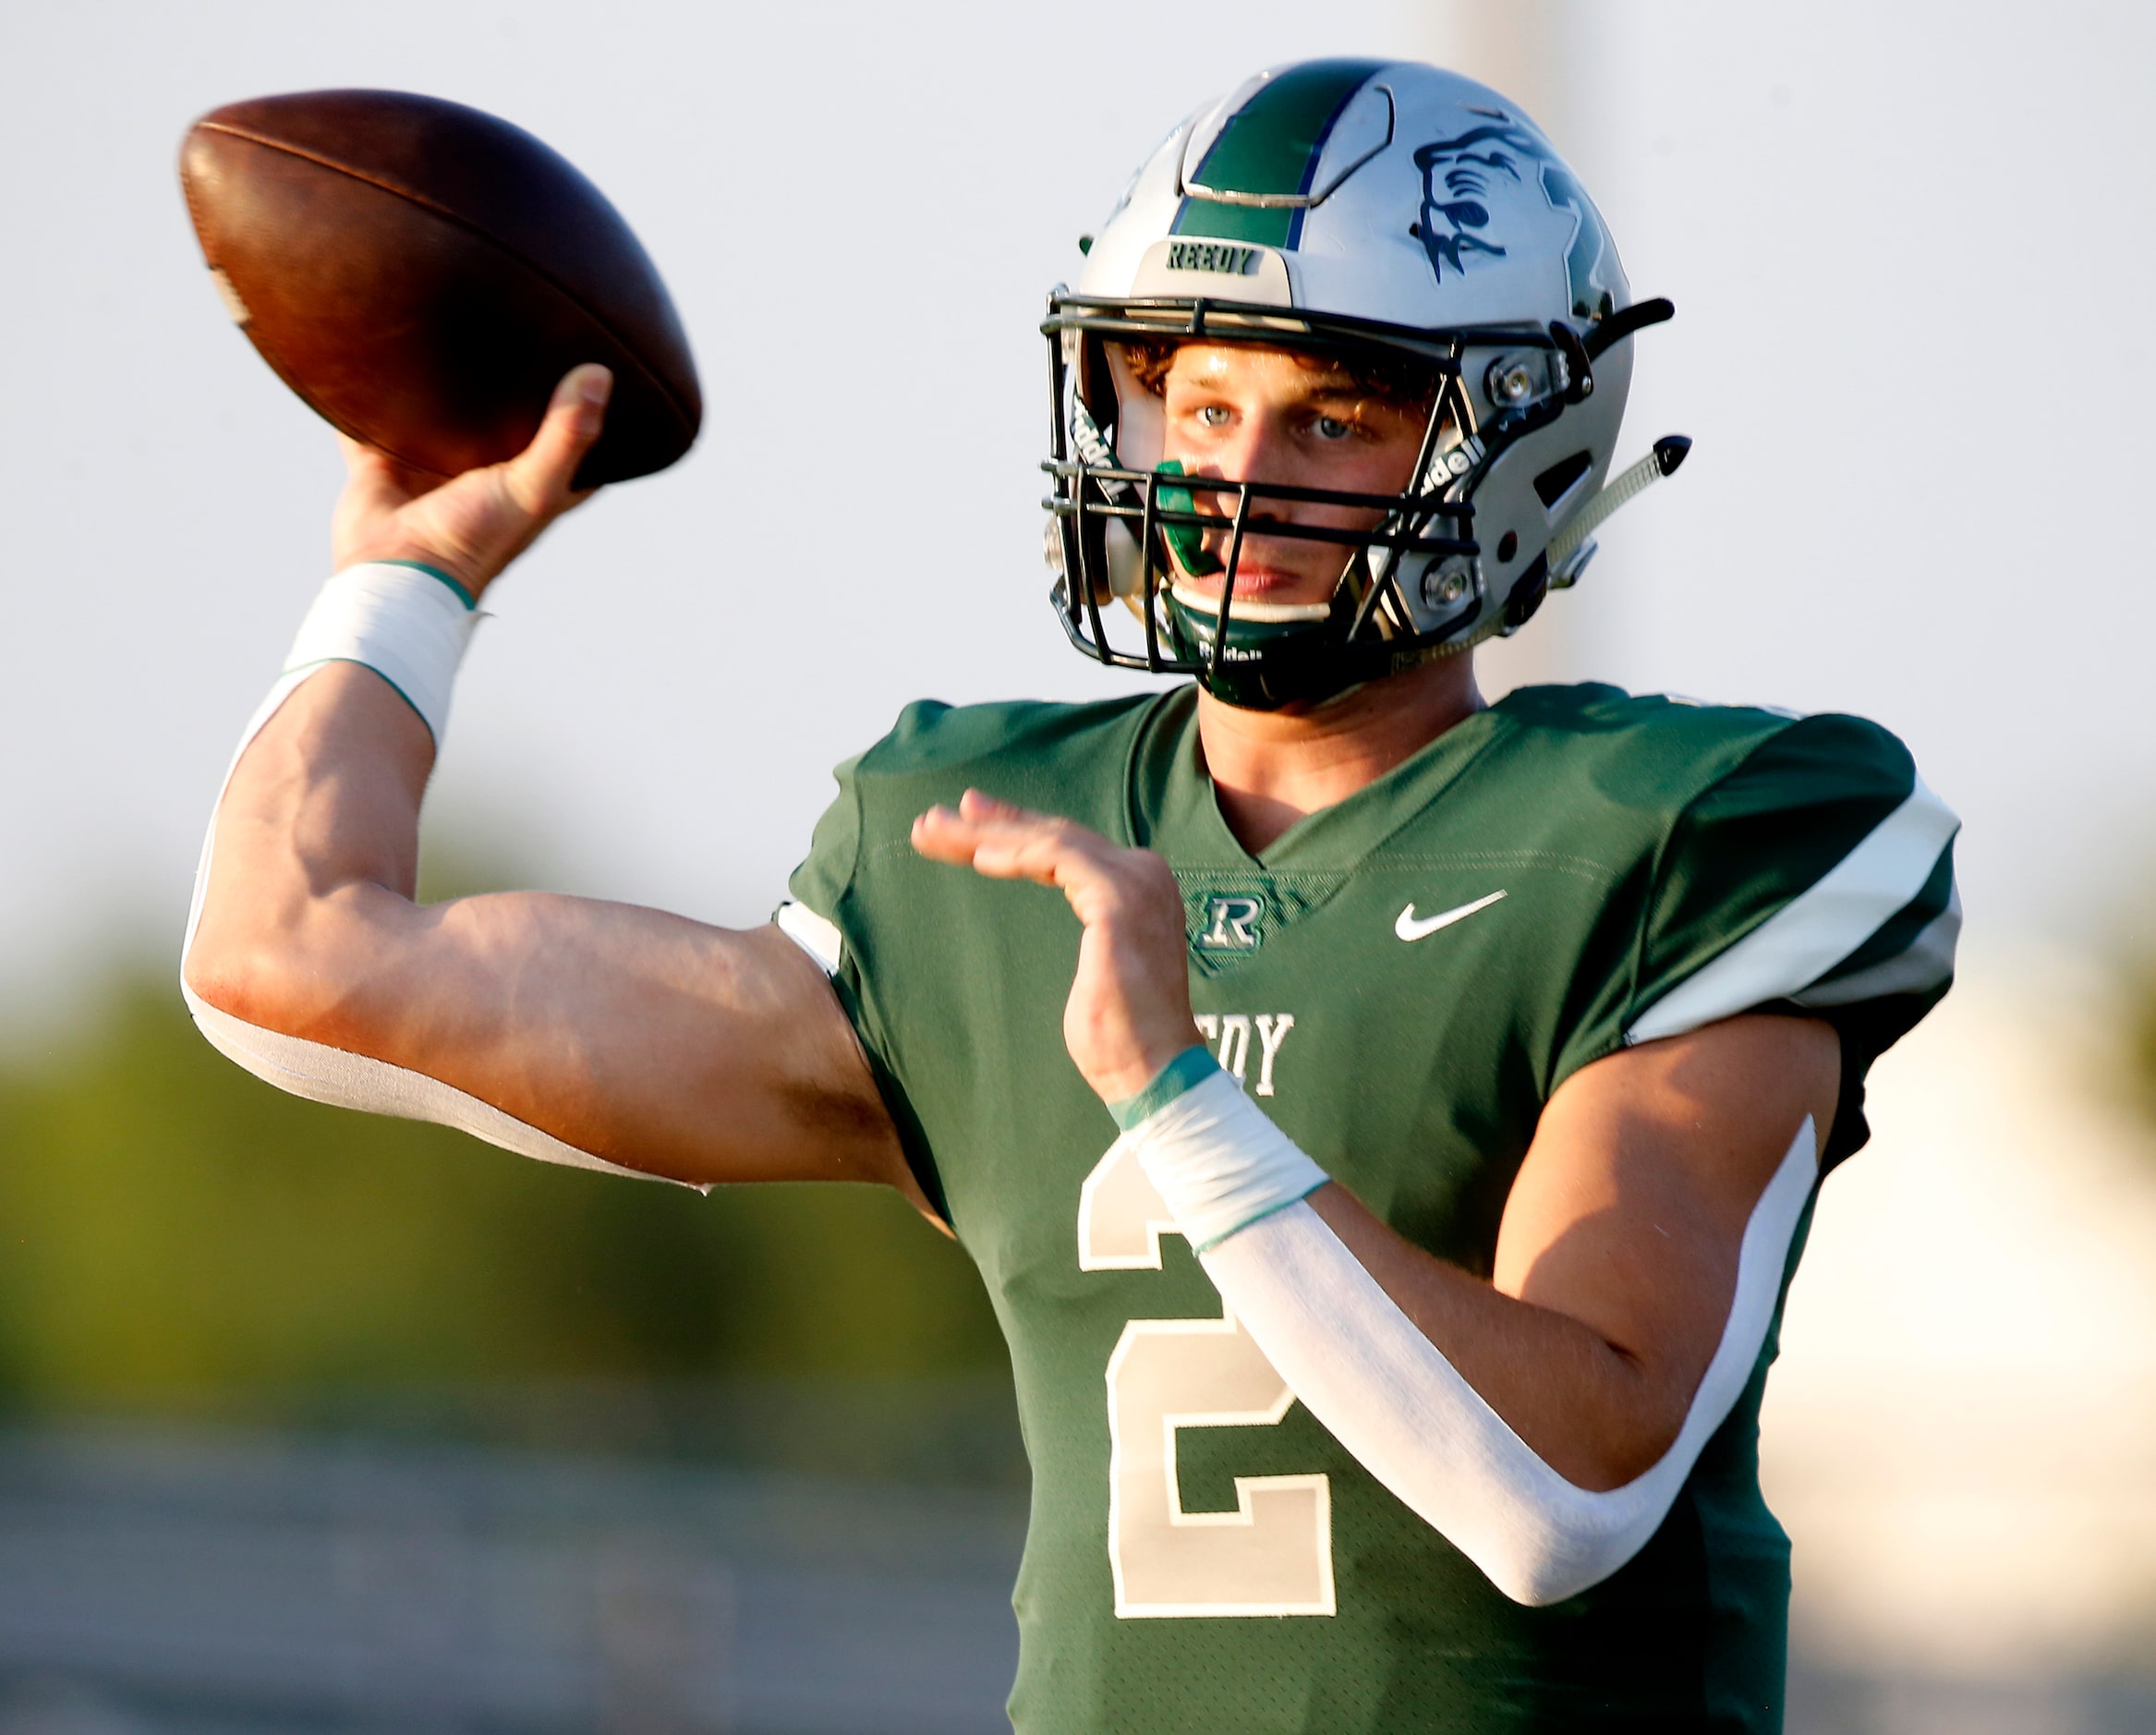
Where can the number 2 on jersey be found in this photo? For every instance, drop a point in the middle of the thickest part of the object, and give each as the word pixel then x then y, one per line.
pixel 1272 1555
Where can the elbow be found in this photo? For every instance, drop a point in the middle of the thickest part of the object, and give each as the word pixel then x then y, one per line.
pixel 280 977
pixel 1625 1451
pixel 1568 1552
pixel 1626 1419
pixel 247 980
pixel 1545 1528
pixel 1540 1582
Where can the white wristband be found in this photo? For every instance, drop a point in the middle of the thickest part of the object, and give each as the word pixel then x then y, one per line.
pixel 1219 1160
pixel 408 622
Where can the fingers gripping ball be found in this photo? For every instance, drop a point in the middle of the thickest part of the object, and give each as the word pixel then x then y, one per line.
pixel 422 275
pixel 473 525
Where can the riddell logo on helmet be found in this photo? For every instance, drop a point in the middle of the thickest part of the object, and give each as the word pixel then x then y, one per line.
pixel 1214 256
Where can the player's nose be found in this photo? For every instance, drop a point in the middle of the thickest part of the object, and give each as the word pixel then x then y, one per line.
pixel 1259 452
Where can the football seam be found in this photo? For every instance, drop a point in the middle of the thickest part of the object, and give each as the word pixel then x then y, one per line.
pixel 271 355
pixel 276 362
pixel 447 215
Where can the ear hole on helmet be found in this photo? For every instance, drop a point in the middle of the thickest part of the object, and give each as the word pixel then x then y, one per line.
pixel 1562 477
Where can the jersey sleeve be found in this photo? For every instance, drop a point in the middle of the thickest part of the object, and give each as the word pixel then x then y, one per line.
pixel 814 917
pixel 817 889
pixel 1816 877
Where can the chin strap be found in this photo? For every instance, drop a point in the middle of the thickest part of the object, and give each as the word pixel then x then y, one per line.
pixel 1569 550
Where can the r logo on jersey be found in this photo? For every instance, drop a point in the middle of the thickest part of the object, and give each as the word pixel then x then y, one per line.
pixel 1232 924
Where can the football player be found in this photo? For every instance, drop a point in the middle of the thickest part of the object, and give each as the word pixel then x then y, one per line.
pixel 1386 1123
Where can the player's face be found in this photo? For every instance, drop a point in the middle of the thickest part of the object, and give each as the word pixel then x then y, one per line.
pixel 1245 414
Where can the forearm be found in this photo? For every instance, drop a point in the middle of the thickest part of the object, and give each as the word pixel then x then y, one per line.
pixel 1597 1414
pixel 1387 1385
pixel 1420 1429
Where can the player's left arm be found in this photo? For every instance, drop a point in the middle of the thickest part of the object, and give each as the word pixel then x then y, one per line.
pixel 1535 1418
pixel 1618 1254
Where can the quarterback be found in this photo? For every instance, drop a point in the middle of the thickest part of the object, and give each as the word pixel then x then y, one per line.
pixel 1386 1123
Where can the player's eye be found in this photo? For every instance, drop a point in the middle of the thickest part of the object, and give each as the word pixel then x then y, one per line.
pixel 1332 428
pixel 1212 415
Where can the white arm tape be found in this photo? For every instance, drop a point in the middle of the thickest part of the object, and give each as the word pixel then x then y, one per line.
pixel 408 624
pixel 395 614
pixel 1219 1160
pixel 322 1073
pixel 1390 1396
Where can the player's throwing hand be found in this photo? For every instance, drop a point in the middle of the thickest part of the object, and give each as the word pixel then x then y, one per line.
pixel 1129 1013
pixel 474 526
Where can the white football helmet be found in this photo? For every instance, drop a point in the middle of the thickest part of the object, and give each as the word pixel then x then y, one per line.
pixel 1355 205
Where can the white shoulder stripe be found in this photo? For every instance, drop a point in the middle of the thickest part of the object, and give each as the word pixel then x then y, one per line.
pixel 1924 964
pixel 818 937
pixel 1815 930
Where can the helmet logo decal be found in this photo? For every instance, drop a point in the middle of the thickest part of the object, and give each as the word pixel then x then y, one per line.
pixel 1591 246
pixel 1456 180
pixel 1454 210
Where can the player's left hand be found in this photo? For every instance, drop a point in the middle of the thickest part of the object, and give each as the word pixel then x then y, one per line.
pixel 1129 1013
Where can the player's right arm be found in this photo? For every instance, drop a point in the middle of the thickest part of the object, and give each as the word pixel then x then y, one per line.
pixel 654 1042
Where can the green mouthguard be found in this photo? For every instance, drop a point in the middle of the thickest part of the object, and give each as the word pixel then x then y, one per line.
pixel 1185 541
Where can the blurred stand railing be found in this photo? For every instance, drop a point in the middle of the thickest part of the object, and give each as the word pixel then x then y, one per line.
pixel 169 1580
pixel 175 1580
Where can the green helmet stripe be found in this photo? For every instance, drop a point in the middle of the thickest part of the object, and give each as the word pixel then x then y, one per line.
pixel 1271 145
pixel 1278 225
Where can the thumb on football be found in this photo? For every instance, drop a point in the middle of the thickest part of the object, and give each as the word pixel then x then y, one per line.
pixel 542 477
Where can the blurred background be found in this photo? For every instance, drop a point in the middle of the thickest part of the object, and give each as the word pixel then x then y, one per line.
pixel 317 1422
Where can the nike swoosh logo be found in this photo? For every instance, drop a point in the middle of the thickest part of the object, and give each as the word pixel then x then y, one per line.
pixel 1408 928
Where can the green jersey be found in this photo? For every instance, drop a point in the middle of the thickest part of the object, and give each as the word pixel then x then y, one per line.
pixel 1401 980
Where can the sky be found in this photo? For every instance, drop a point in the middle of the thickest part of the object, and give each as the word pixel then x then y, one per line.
pixel 1908 263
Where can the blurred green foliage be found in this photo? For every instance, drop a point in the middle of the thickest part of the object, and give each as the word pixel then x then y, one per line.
pixel 182 1239
pixel 2140 1056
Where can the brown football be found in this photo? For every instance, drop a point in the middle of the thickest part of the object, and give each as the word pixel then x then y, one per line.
pixel 422 273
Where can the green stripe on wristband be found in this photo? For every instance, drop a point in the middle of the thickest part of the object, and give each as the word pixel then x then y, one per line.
pixel 463 596
pixel 1192 1066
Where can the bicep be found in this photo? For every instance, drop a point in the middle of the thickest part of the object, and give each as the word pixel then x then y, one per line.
pixel 647 1040
pixel 657 1043
pixel 1631 1208
pixel 700 1053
